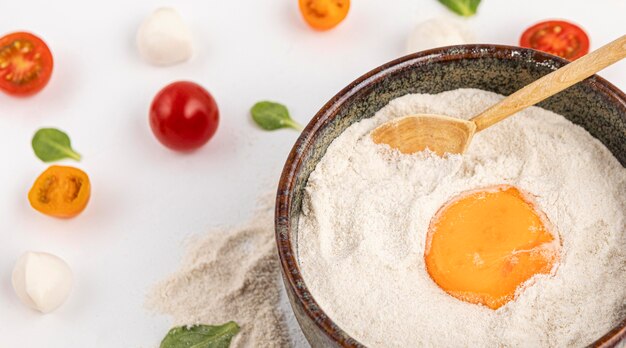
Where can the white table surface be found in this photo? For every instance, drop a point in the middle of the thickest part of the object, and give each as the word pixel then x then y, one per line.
pixel 146 199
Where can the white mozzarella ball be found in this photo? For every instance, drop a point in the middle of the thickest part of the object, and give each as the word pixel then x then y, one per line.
pixel 164 38
pixel 42 281
pixel 439 32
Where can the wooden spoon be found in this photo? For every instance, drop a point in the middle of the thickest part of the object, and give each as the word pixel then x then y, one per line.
pixel 444 134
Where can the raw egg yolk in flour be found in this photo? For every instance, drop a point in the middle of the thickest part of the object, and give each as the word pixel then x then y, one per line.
pixel 482 245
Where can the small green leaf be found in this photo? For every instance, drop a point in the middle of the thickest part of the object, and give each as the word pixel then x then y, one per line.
pixel 271 116
pixel 465 8
pixel 51 145
pixel 201 336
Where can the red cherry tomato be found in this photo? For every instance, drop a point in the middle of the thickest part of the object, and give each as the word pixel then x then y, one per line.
pixel 183 116
pixel 560 38
pixel 25 64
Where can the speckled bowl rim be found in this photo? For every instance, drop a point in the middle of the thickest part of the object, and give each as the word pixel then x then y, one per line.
pixel 283 231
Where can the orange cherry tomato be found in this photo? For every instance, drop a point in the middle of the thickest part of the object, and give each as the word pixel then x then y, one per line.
pixel 324 14
pixel 560 38
pixel 25 64
pixel 60 191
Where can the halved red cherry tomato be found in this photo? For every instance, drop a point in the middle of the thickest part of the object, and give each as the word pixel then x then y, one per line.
pixel 25 64
pixel 324 14
pixel 560 38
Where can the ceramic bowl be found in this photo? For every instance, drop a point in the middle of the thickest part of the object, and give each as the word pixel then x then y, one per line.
pixel 594 104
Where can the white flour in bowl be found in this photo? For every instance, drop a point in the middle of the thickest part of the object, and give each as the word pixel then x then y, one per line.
pixel 367 209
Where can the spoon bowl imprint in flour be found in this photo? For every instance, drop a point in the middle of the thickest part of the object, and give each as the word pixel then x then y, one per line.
pixel 444 134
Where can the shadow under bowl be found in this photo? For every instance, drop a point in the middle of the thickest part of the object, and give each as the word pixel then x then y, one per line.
pixel 594 104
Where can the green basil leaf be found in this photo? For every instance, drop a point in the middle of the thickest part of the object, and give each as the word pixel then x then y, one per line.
pixel 51 145
pixel 201 336
pixel 271 116
pixel 465 8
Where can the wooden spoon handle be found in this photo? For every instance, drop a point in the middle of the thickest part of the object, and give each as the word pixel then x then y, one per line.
pixel 553 83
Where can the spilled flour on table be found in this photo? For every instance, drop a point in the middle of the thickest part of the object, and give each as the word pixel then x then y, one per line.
pixel 233 274
pixel 366 212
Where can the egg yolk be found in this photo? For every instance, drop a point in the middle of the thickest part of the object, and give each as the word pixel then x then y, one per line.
pixel 481 246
